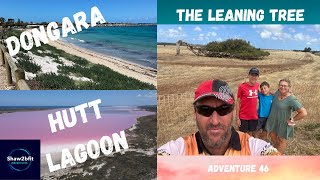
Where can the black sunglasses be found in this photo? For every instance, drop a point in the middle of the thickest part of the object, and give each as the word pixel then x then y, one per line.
pixel 208 110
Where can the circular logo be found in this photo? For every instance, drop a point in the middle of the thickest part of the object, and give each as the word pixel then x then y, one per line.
pixel 20 159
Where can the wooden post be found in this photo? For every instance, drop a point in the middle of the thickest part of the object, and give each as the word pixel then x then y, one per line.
pixel 19 74
pixel 22 85
pixel 2 56
pixel 8 68
pixel 178 48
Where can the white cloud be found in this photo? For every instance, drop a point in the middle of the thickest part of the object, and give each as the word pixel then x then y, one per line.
pixel 286 35
pixel 277 32
pixel 212 34
pixel 265 34
pixel 273 31
pixel 292 30
pixel 302 37
pixel 151 94
pixel 215 27
pixel 317 28
pixel 315 40
pixel 308 43
pixel 180 28
pixel 201 37
pixel 273 28
pixel 197 28
pixel 171 33
pixel 219 39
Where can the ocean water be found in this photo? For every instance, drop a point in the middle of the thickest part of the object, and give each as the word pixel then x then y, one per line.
pixel 137 44
pixel 35 125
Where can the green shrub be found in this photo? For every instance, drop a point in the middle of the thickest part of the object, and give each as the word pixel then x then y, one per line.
pixel 237 48
pixel 307 49
pixel 53 81
pixel 103 77
pixel 57 60
pixel 25 63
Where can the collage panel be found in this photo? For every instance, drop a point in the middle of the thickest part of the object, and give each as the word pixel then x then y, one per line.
pixel 225 65
pixel 92 45
pixel 83 134
pixel 106 49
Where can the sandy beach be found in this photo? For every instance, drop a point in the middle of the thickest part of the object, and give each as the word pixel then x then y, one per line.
pixel 136 71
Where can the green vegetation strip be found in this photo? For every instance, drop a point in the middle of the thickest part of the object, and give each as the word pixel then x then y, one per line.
pixel 24 62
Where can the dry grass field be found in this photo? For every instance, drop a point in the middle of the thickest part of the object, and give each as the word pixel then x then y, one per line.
pixel 178 77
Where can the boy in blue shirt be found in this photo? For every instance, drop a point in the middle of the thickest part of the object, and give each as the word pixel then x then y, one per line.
pixel 265 101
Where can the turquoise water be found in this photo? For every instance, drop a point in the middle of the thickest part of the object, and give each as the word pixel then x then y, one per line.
pixel 136 44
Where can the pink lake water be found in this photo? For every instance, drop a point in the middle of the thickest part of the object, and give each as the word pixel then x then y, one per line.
pixel 35 125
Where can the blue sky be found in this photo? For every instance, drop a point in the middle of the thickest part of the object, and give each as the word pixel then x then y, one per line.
pixel 71 98
pixel 54 10
pixel 261 36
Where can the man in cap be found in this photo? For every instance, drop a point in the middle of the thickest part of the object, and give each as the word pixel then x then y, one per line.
pixel 213 113
pixel 247 103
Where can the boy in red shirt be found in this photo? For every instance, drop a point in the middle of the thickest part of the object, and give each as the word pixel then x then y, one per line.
pixel 247 100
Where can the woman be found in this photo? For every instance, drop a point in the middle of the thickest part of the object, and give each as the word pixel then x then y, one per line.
pixel 280 122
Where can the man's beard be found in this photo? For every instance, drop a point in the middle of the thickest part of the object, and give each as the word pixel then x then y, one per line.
pixel 208 142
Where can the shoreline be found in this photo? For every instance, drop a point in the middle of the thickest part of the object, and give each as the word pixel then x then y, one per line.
pixel 140 147
pixel 139 72
pixel 56 147
pixel 13 110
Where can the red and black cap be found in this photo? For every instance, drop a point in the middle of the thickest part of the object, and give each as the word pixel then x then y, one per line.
pixel 215 88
